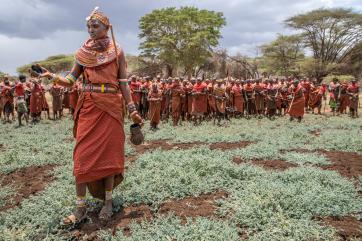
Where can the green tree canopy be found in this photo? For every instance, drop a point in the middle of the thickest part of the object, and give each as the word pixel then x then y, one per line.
pixel 330 33
pixel 282 55
pixel 180 37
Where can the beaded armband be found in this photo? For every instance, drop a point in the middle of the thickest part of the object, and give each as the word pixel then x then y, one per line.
pixel 123 81
pixel 70 78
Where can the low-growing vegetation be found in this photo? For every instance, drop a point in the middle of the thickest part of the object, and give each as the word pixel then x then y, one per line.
pixel 261 201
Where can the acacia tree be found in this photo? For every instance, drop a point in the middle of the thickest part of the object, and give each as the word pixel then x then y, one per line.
pixel 331 34
pixel 181 37
pixel 282 55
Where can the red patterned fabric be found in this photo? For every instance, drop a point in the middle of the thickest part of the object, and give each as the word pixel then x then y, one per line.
pixel 36 99
pixel 199 103
pixel 99 149
pixel 297 106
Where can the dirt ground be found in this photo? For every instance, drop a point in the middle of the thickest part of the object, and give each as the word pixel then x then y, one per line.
pixel 201 206
pixel 347 164
pixel 25 182
pixel 268 164
pixel 347 227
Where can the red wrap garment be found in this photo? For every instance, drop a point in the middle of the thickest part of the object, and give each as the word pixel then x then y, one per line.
pixel 45 105
pixel 237 93
pixel 56 92
pixel 176 95
pixel 199 103
pixel 353 91
pixel 211 98
pixel 99 150
pixel 7 97
pixel 36 99
pixel 154 111
pixel 296 108
pixel 135 87
pixel 307 89
pixel 98 122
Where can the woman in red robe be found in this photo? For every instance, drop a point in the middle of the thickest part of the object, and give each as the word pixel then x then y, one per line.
pixel 98 118
pixel 199 103
pixel 154 112
pixel 237 96
pixel 36 99
pixel 296 107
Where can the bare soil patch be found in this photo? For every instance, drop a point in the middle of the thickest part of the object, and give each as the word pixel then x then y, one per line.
pixel 26 182
pixel 163 144
pixel 202 206
pixel 347 227
pixel 348 164
pixel 268 164
pixel 229 145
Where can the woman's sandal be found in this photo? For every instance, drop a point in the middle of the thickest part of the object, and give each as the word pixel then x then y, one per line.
pixel 75 218
pixel 105 214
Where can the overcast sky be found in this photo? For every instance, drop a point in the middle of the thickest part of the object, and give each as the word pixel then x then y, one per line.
pixel 32 30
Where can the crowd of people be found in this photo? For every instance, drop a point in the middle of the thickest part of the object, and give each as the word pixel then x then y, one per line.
pixel 27 97
pixel 192 99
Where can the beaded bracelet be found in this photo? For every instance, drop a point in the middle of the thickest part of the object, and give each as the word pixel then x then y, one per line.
pixel 131 107
pixel 123 81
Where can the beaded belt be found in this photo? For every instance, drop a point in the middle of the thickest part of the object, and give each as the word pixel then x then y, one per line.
pixel 99 88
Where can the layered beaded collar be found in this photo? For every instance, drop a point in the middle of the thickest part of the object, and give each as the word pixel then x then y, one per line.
pixel 96 52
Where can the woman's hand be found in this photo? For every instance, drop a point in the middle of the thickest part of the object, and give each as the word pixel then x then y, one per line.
pixel 136 118
pixel 46 73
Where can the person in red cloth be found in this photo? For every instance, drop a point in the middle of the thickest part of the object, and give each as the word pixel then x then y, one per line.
pixel 306 90
pixel 199 102
pixel 316 96
pixel 56 92
pixel 36 98
pixel 230 82
pixel 353 93
pixel 344 98
pixel 334 95
pixel 154 111
pixel 283 90
pixel 221 98
pixel 66 100
pixel 271 98
pixel 45 106
pixel 184 103
pixel 249 97
pixel 167 95
pixel 238 98
pixel 7 94
pixel 177 94
pixel 187 86
pixel 20 100
pixel 259 97
pixel 98 119
pixel 136 90
pixel 296 106
pixel 211 98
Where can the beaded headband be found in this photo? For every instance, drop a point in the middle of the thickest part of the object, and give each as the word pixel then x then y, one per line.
pixel 98 15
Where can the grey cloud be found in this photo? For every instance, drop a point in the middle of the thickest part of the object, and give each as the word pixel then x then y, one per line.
pixel 249 22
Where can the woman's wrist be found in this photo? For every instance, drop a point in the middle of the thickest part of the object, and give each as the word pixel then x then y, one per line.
pixel 131 107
